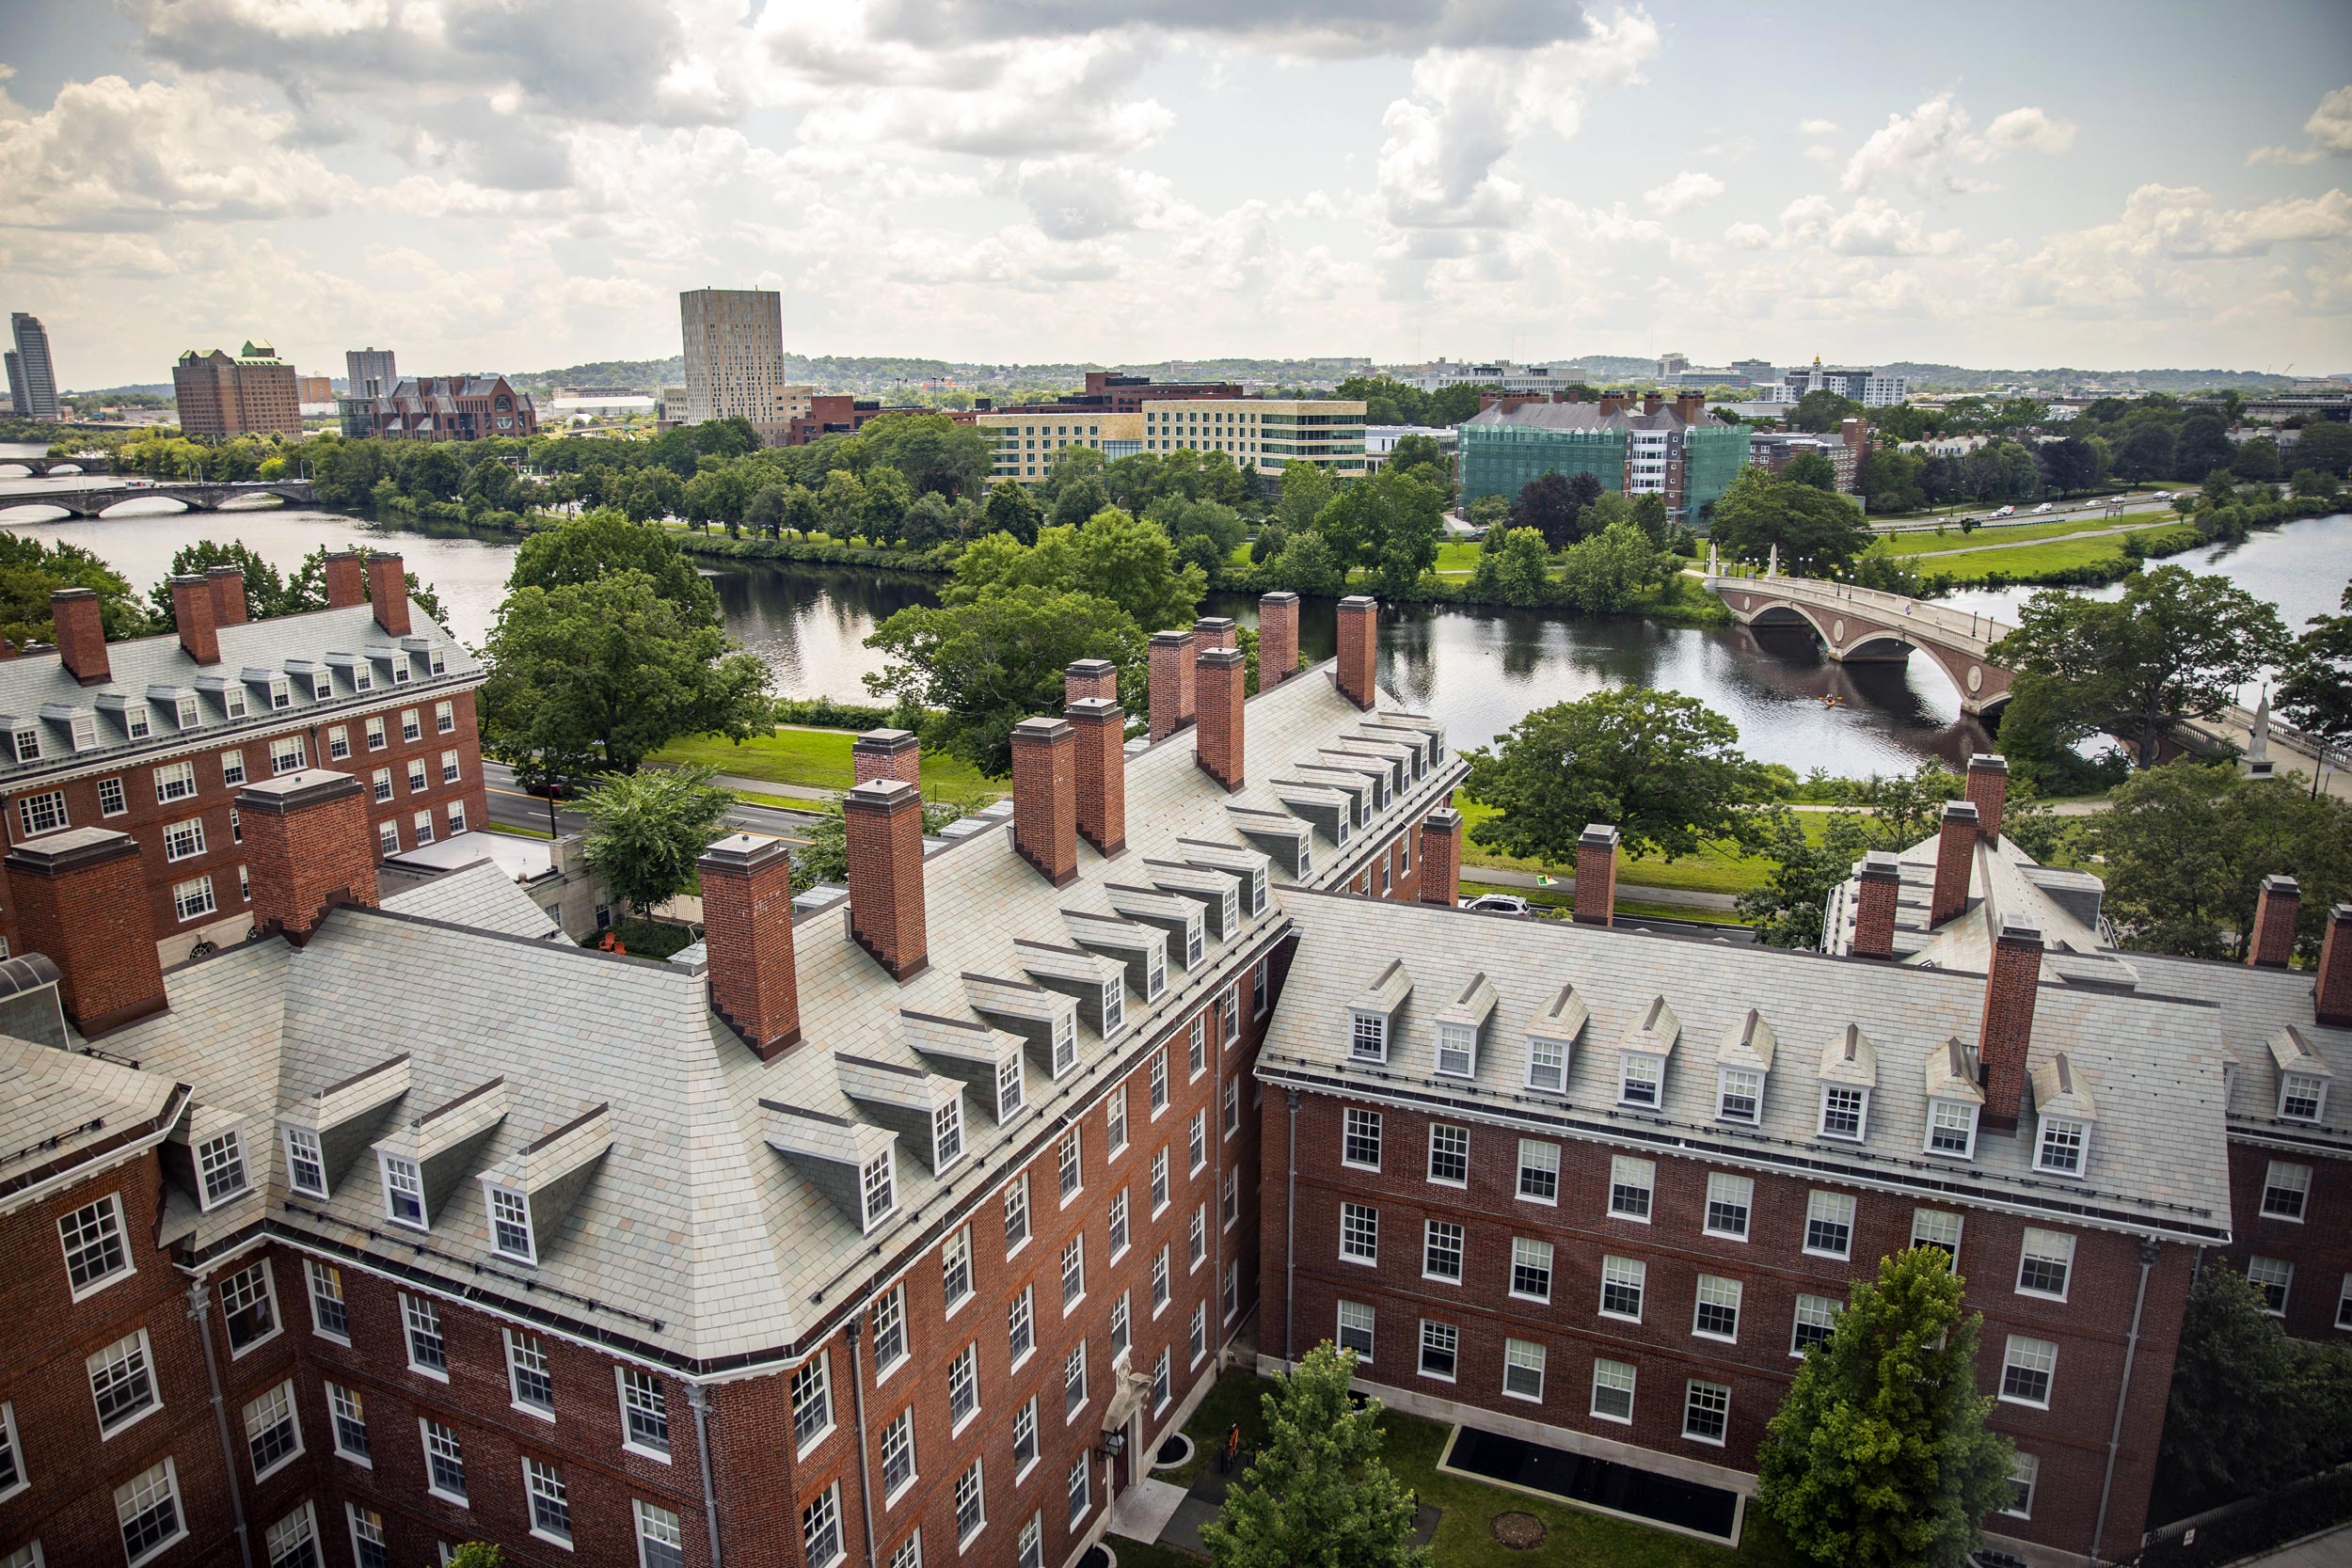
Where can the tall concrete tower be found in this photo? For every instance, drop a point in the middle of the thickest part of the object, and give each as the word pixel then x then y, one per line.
pixel 735 359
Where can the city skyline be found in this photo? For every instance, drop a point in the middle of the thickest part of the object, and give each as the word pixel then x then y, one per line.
pixel 1138 182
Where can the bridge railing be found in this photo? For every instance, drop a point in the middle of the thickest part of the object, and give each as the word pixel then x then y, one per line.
pixel 1983 630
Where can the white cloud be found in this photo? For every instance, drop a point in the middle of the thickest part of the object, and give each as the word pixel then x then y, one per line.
pixel 1918 153
pixel 1681 192
pixel 1748 236
pixel 2030 130
pixel 1817 128
pixel 1873 228
pixel 2329 129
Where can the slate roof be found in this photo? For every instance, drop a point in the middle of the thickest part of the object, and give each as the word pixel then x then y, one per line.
pixel 1587 417
pixel 480 896
pixel 2157 1160
pixel 145 672
pixel 61 1109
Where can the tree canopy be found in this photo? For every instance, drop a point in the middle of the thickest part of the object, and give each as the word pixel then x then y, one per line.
pixel 1126 560
pixel 646 830
pixel 597 544
pixel 2315 682
pixel 2249 1409
pixel 1816 530
pixel 31 571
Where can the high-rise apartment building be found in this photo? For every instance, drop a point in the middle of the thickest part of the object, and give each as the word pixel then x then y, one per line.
pixel 249 393
pixel 315 388
pixel 735 360
pixel 32 377
pixel 369 371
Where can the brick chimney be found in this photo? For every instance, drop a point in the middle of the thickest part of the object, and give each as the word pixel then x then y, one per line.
pixel 886 754
pixel 1277 639
pixel 228 594
pixel 1441 858
pixel 309 846
pixel 1213 631
pixel 1597 875
pixel 1101 730
pixel 81 634
pixel 1955 860
pixel 1171 676
pixel 1652 402
pixel 747 925
pixel 81 901
pixel 1691 407
pixel 1988 791
pixel 2331 993
pixel 1045 797
pixel 387 589
pixel 882 821
pixel 2007 1030
pixel 346 579
pixel 1878 881
pixel 1359 637
pixel 1610 403
pixel 191 610
pixel 1217 736
pixel 1090 677
pixel 2272 941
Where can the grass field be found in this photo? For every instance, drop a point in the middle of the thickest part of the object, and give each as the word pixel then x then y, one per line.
pixel 1952 540
pixel 1467 1508
pixel 1714 869
pixel 1560 898
pixel 2035 560
pixel 819 759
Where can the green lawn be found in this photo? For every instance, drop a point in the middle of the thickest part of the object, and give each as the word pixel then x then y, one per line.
pixel 819 759
pixel 1952 540
pixel 2036 561
pixel 1573 1538
pixel 1713 869
pixel 1561 899
pixel 652 938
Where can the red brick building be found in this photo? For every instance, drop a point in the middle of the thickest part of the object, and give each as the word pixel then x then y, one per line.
pixel 154 736
pixel 440 408
pixel 252 392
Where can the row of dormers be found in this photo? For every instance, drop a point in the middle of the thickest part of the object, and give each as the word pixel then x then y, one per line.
pixel 1338 791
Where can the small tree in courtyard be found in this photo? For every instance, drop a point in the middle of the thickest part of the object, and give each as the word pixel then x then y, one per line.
pixel 646 829
pixel 1878 1457
pixel 1317 1496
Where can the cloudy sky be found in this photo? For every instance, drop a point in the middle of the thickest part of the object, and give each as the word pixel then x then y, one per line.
pixel 524 183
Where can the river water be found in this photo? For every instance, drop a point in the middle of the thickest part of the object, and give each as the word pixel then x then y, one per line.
pixel 1478 672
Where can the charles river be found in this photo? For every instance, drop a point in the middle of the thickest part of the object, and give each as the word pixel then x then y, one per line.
pixel 1478 672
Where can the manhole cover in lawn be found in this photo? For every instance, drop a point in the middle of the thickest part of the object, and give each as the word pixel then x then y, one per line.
pixel 1521 1532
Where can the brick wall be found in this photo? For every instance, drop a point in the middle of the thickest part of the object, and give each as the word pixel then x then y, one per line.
pixel 2318 1247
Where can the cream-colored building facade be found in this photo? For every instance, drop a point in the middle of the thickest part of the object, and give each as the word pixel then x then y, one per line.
pixel 1026 444
pixel 1263 433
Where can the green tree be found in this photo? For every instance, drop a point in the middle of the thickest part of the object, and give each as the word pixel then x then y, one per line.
pixel 888 498
pixel 598 544
pixel 1879 1456
pixel 2315 680
pixel 2073 463
pixel 1011 510
pixel 933 454
pixel 1317 1493
pixel 1889 479
pixel 1664 768
pixel 1811 467
pixel 1204 532
pixel 2146 451
pixel 1554 505
pixel 31 571
pixel 1822 412
pixel 477 1554
pixel 1306 491
pixel 2257 460
pixel 593 675
pixel 264 589
pixel 646 829
pixel 2316 483
pixel 1816 532
pixel 1784 911
pixel 841 505
pixel 2326 445
pixel 1307 564
pixel 2175 646
pixel 2201 445
pixel 1609 572
pixel 2251 1409
pixel 1125 560
pixel 716 496
pixel 1522 570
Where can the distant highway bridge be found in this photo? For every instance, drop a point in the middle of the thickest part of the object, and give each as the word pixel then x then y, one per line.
pixel 97 501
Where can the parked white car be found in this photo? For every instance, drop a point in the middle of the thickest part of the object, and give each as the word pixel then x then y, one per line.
pixel 1497 903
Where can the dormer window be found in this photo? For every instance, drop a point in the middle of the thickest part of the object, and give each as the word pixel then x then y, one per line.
pixel 306 1162
pixel 220 1166
pixel 1114 1008
pixel 27 743
pixel 281 694
pixel 322 685
pixel 2061 1147
pixel 2302 1096
pixel 510 1226
pixel 1457 1050
pixel 1844 1111
pixel 1369 1040
pixel 85 727
pixel 1740 1096
pixel 1066 1042
pixel 362 678
pixel 1195 943
pixel 1154 972
pixel 1009 1088
pixel 1952 1129
pixel 1547 1063
pixel 947 1135
pixel 190 712
pixel 438 658
pixel 233 703
pixel 404 1192
pixel 136 722
pixel 1306 869
pixel 880 1190
pixel 1640 1077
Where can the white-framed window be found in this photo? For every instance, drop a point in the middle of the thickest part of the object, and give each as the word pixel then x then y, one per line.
pixel 1740 1095
pixel 2274 1278
pixel 1199 1341
pixel 2343 1303
pixel 877 1185
pixel 1630 1183
pixel 387 838
pixel 2062 1145
pixel 1198 1237
pixel 1829 1225
pixel 428 1353
pixel 2302 1096
pixel 147 1511
pixel 1070 1165
pixel 1729 1200
pixel 347 1414
pixel 947 1135
pixel 306 1162
pixel 1540 1171
pixel 450 770
pixel 1258 1000
pixel 404 1192
pixel 411 727
pixel 1231 1124
pixel 175 781
pixel 96 1251
pixel 1079 1490
pixel 1937 1227
pixel 1197 1046
pixel 1845 1111
pixel 1115 1121
pixel 1074 1273
pixel 1368 1038
pixel 812 1401
pixel 233 767
pixel 444 714
pixel 1816 1316
pixel 416 776
pixel 1441 1251
pixel 375 734
pixel 1229 1198
pixel 1715 1313
pixel 1952 1129
pixel 44 813
pixel 1159 1283
pixel 1531 1269
pixel 2027 1368
pixel 339 742
pixel 530 1380
pixel 1612 1390
pixel 897 1455
pixel 1016 1214
pixel 422 825
pixel 249 1308
pixel 273 1436
pixel 1032 1553
pixel 1457 1051
pixel 1621 1282
pixel 1159 1181
pixel 2024 1471
pixel 660 1538
pixel 1073 1383
pixel 1230 1014
pixel 1449 1154
pixel 1440 1350
pixel 1163 1381
pixel 1706 1412
pixel 1021 1325
pixel 963 1386
pixel 1158 1075
pixel 280 693
pixel 288 755
pixel 1011 1091
pixel 192 899
pixel 444 1461
pixel 1547 1065
pixel 2286 1190
pixel 1356 1323
pixel 1024 1444
pixel 1360 1139
pixel 12 1476
pixel 183 841
pixel 1118 1224
pixel 1639 1076
pixel 1523 1369
pixel 1122 1326
pixel 510 1224
pixel 1196 1142
pixel 820 1528
pixel 122 1382
pixel 112 801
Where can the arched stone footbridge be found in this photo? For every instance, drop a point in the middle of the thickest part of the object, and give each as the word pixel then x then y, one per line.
pixel 98 500
pixel 1863 624
pixel 40 467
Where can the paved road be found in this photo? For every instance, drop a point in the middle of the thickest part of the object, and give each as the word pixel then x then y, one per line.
pixel 2024 515
pixel 510 806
